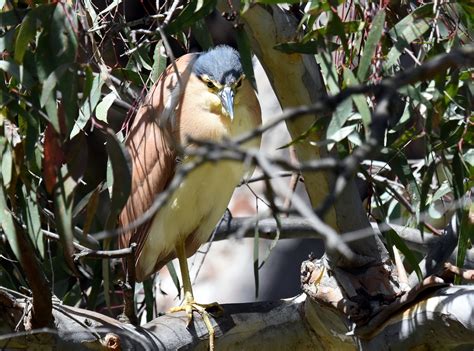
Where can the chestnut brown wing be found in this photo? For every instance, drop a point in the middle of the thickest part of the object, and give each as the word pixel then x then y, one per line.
pixel 150 144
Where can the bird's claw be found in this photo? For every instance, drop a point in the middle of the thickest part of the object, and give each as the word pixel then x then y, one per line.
pixel 190 306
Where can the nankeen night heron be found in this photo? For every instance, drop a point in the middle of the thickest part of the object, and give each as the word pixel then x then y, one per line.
pixel 209 99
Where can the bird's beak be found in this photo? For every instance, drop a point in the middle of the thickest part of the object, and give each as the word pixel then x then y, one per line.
pixel 227 99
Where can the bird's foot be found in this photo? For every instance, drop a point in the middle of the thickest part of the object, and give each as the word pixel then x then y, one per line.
pixel 190 305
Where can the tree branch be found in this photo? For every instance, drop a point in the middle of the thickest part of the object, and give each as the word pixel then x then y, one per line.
pixel 41 315
pixel 282 325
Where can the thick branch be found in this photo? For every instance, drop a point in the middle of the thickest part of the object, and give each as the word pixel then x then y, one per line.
pixel 282 325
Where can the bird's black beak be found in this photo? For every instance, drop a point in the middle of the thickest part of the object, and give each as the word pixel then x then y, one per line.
pixel 227 99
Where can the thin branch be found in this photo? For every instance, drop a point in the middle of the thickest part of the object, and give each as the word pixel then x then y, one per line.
pixel 42 305
pixel 467 274
pixel 86 252
pixel 213 152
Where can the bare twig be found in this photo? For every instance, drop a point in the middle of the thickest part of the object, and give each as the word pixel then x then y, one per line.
pixel 467 274
pixel 294 178
pixel 86 252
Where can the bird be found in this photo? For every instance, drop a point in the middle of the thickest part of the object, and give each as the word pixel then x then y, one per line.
pixel 202 96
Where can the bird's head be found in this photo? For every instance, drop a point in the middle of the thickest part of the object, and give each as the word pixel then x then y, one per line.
pixel 220 70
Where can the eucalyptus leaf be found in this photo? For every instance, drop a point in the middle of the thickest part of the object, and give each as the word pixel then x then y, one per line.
pixel 394 239
pixel 12 17
pixel 7 165
pixel 359 100
pixel 245 51
pixel 7 224
pixel 194 10
pixel 26 34
pixel 89 105
pixel 202 34
pixel 466 231
pixel 159 62
pixel 50 83
pixel 63 206
pixel 371 44
pixel 33 219
pixel 406 31
pixel 425 188
pixel 149 298
pixel 122 176
pixel 103 107
pixel 17 71
pixel 174 277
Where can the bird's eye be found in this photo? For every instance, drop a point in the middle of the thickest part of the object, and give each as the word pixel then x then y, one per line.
pixel 239 83
pixel 210 85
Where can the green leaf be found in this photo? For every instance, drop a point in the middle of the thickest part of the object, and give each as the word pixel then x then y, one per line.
pixel 310 47
pixel 7 223
pixel 31 124
pixel 406 31
pixel 7 164
pixel 91 202
pixel 12 18
pixel 26 34
pixel 349 27
pixel 359 100
pixel 194 11
pixel 141 57
pixel 394 239
pixel 274 241
pixel 344 109
pixel 89 105
pixel 69 87
pixel 245 51
pixel 122 179
pixel 32 217
pixel 202 34
pixel 341 133
pixel 336 27
pixel 458 175
pixel 28 27
pixel 149 298
pixel 50 83
pixel 57 43
pixel 106 277
pixel 73 296
pixel 18 72
pixel 174 277
pixel 466 231
pixel 63 205
pixel 7 41
pixel 159 62
pixel 329 72
pixel 370 46
pixel 399 164
pixel 103 107
pixel 425 188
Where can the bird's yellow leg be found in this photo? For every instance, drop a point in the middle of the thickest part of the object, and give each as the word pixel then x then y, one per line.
pixel 189 305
